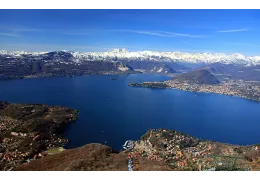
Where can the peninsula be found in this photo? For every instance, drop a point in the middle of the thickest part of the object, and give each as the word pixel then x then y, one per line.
pixel 28 130
pixel 202 80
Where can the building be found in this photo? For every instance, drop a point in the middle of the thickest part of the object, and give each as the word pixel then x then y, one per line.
pixel 14 134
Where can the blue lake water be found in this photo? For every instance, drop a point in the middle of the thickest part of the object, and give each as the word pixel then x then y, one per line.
pixel 112 112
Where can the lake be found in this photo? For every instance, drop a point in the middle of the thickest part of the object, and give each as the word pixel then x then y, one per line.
pixel 112 112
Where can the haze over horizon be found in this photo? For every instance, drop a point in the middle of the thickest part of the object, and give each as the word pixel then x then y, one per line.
pixel 213 31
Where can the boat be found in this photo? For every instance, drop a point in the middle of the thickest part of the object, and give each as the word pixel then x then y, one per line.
pixel 129 144
pixel 112 78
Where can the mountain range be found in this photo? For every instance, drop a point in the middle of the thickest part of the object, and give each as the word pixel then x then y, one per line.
pixel 180 57
pixel 15 64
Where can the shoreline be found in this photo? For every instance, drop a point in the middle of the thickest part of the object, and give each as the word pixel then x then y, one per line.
pixel 163 85
pixel 67 75
pixel 83 75
pixel 216 93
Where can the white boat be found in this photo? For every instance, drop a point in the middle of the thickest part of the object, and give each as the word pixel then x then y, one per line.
pixel 129 144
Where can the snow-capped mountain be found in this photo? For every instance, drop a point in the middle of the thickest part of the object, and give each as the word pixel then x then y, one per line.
pixel 19 64
pixel 179 57
pixel 19 53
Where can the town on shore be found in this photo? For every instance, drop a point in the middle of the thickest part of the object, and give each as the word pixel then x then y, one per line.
pixel 208 84
pixel 184 152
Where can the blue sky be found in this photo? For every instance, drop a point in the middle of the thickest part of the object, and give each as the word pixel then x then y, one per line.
pixel 226 31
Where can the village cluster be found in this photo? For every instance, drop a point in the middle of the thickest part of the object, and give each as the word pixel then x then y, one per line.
pixel 187 153
pixel 245 89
